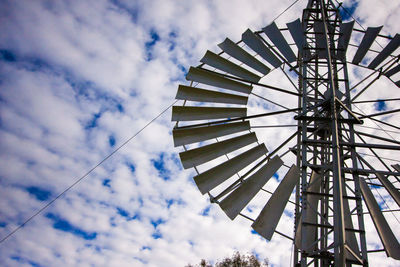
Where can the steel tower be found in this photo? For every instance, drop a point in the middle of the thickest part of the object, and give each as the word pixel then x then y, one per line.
pixel 326 151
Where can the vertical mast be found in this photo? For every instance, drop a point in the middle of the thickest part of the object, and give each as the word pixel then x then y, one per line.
pixel 324 235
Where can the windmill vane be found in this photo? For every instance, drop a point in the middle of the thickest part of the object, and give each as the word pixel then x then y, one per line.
pixel 325 175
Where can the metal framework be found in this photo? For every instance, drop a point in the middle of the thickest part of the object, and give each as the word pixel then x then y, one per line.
pixel 325 231
pixel 325 223
pixel 330 175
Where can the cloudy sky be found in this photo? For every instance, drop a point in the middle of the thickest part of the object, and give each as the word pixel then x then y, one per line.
pixel 77 79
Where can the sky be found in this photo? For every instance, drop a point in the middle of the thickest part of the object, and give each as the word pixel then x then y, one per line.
pixel 77 79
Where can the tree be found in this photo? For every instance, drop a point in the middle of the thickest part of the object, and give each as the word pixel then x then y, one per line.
pixel 237 260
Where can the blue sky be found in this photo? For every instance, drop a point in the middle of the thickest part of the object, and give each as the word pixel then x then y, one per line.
pixel 78 79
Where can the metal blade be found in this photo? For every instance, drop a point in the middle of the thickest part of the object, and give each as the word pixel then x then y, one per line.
pixel 255 43
pixel 266 222
pixel 296 30
pixel 351 239
pixel 311 215
pixel 320 39
pixel 206 153
pixel 223 64
pixel 389 187
pixel 396 167
pixel 203 95
pixel 198 134
pixel 180 113
pixel 240 54
pixel 241 196
pixel 392 71
pixel 211 178
pixel 366 43
pixel 213 79
pixel 390 48
pixel 344 39
pixel 275 35
pixel 389 241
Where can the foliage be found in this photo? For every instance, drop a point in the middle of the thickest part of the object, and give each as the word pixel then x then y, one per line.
pixel 237 260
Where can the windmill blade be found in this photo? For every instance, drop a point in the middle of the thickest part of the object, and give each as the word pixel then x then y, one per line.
pixel 275 35
pixel 240 54
pixel 368 39
pixel 344 39
pixel 255 43
pixel 213 177
pixel 392 71
pixel 213 79
pixel 389 48
pixel 311 215
pixel 241 196
pixel 396 167
pixel 389 241
pixel 322 50
pixel 266 222
pixel 296 30
pixel 203 95
pixel 223 64
pixel 297 33
pixel 198 134
pixel 182 113
pixel 389 187
pixel 207 153
pixel 351 239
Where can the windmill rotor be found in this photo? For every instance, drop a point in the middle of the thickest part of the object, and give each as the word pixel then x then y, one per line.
pixel 323 160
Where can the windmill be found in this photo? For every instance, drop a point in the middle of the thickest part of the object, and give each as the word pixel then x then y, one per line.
pixel 332 182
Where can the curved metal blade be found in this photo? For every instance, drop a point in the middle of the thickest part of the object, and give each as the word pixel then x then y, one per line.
pixel 351 239
pixel 266 222
pixel 366 43
pixel 252 41
pixel 198 134
pixel 206 153
pixel 311 216
pixel 390 48
pixel 389 241
pixel 396 167
pixel 211 178
pixel 213 79
pixel 392 71
pixel 223 64
pixel 296 30
pixel 320 39
pixel 389 187
pixel 344 39
pixel 203 95
pixel 182 113
pixel 275 35
pixel 241 196
pixel 240 54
